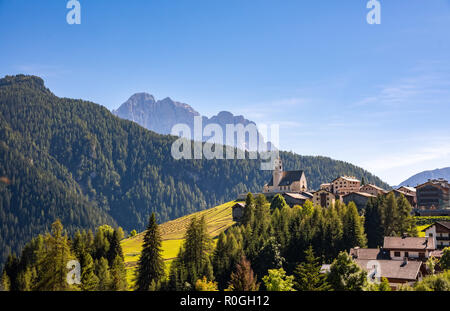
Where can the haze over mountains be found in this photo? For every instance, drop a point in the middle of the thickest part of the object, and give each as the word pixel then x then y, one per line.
pixel 74 160
pixel 423 177
pixel 161 115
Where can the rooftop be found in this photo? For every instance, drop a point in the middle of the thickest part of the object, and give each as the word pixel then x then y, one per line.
pixel 296 196
pixel 393 269
pixel 409 243
pixel 348 178
pixel 367 195
pixel 368 253
pixel 288 177
pixel 408 188
pixel 374 186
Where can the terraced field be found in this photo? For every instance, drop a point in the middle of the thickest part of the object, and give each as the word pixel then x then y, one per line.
pixel 218 219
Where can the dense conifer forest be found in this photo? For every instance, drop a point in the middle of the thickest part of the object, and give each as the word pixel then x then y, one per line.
pixel 75 161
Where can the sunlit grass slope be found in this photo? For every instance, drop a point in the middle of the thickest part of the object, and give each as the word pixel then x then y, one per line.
pixel 218 219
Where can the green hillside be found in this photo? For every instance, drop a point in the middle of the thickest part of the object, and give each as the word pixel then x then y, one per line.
pixel 74 160
pixel 218 219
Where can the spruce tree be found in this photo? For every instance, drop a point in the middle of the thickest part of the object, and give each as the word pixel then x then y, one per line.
pixel 118 275
pixel 307 275
pixel 115 249
pixel 373 224
pixel 193 260
pixel 89 281
pixel 221 260
pixel 249 210
pixel 5 284
pixel 389 216
pixel 103 274
pixel 353 228
pixel 334 230
pixel 12 271
pixel 53 259
pixel 151 264
pixel 405 221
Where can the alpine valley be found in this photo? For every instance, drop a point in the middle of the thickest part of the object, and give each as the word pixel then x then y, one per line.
pixel 76 161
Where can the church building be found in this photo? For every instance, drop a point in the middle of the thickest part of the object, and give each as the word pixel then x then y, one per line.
pixel 286 181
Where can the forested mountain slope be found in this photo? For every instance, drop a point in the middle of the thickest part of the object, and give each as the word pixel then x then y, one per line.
pixel 74 160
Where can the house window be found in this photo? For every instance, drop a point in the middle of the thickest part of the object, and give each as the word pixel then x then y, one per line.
pixel 421 255
pixel 397 254
pixel 406 254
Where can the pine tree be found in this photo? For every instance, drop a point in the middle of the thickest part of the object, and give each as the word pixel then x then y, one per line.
pixel 89 281
pixel 389 215
pixel 103 274
pixel 373 224
pixel 221 260
pixel 193 261
pixel 353 228
pixel 334 230
pixel 26 279
pixel 118 275
pixel 243 279
pixel 151 264
pixel 249 211
pixel 12 270
pixel 405 221
pixel 115 249
pixel 308 276
pixel 53 259
pixel 5 284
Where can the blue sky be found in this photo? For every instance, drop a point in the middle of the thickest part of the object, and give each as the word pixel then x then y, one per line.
pixel 374 95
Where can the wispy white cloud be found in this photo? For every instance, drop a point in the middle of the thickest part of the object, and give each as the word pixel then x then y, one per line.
pixel 424 86
pixel 412 155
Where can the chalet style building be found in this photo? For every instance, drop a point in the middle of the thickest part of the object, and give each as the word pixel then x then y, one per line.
pixel 401 260
pixel 324 198
pixel 434 195
pixel 396 272
pixel 400 248
pixel 359 198
pixel 286 181
pixel 342 185
pixel 408 190
pixel 372 189
pixel 440 233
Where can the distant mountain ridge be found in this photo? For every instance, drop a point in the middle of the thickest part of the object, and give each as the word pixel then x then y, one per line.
pixel 423 177
pixel 156 115
pixel 161 115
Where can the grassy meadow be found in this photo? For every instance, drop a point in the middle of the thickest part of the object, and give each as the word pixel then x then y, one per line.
pixel 218 219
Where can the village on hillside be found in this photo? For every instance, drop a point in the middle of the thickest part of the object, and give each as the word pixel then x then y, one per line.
pixel 401 260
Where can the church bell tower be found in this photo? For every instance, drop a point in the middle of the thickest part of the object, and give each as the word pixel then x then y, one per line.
pixel 277 172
